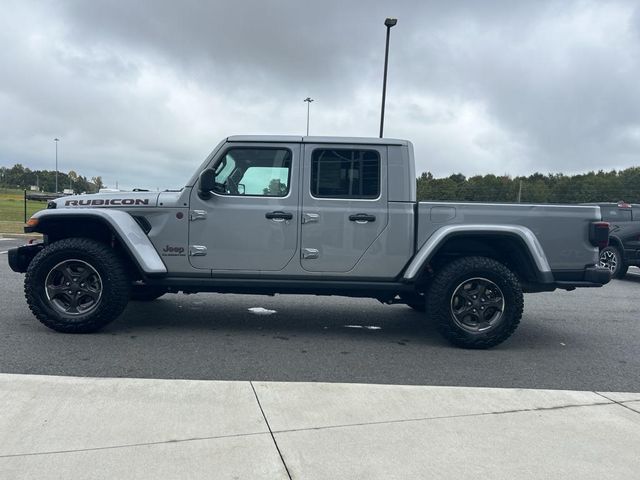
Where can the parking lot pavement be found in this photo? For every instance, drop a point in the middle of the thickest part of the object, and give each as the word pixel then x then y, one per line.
pixel 62 427
pixel 7 242
pixel 588 339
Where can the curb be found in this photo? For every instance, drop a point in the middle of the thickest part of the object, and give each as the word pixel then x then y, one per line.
pixel 20 235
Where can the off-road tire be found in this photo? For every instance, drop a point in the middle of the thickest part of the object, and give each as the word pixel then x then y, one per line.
pixel 415 301
pixel 451 277
pixel 115 284
pixel 621 267
pixel 145 293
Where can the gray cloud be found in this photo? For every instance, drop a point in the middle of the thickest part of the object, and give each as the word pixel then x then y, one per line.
pixel 141 91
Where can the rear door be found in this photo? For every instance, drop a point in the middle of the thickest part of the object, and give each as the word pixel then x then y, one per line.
pixel 344 204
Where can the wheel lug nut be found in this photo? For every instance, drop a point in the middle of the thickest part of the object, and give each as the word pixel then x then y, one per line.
pixel 68 284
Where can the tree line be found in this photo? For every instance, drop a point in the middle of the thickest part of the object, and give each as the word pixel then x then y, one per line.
pixel 23 178
pixel 601 186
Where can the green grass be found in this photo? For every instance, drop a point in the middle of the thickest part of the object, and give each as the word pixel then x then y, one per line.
pixel 12 210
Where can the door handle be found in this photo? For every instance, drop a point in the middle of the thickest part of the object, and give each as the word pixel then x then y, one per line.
pixel 197 215
pixel 310 253
pixel 278 216
pixel 310 217
pixel 362 218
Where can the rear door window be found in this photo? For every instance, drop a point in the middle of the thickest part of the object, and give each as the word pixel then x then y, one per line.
pixel 345 173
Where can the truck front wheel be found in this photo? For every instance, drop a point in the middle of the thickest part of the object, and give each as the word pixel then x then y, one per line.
pixel 476 302
pixel 77 285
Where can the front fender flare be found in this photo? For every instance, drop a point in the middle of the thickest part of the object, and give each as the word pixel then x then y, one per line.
pixel 126 229
pixel 440 236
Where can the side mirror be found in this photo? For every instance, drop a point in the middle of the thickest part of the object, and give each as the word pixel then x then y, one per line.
pixel 207 183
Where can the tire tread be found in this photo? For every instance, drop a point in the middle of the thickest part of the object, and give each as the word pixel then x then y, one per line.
pixel 437 302
pixel 107 311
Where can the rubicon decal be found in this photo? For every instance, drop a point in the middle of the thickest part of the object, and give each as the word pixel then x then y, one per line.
pixel 102 202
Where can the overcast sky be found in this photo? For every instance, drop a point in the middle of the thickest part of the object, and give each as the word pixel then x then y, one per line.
pixel 141 91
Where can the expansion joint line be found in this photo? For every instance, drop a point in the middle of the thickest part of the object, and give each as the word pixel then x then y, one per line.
pixel 270 431
pixel 622 404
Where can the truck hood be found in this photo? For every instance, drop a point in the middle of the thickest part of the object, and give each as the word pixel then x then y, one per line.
pixel 110 200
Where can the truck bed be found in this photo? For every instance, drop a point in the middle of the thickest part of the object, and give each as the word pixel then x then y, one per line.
pixel 555 226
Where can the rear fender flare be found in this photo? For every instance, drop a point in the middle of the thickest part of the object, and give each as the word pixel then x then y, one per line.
pixel 440 237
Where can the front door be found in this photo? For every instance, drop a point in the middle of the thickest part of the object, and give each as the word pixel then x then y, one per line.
pixel 249 222
pixel 344 204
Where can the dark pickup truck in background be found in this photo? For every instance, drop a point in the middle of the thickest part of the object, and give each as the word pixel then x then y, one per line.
pixel 624 237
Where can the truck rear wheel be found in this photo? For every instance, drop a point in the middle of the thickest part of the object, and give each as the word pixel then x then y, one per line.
pixel 476 302
pixel 76 285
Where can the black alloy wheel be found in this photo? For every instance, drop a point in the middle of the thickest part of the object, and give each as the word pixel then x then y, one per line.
pixel 73 287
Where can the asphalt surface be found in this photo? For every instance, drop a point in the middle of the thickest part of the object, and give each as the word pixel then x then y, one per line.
pixel 588 339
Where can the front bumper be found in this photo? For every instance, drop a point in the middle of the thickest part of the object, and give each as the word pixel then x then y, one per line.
pixel 20 258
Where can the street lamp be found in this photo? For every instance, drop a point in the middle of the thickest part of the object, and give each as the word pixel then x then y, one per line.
pixel 56 140
pixel 389 22
pixel 308 100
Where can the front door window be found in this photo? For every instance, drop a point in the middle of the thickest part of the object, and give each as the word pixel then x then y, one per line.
pixel 262 172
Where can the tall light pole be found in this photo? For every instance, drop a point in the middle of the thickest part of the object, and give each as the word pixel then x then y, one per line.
pixel 308 100
pixel 389 22
pixel 56 140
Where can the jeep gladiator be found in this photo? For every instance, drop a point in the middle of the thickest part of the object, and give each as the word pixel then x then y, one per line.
pixel 308 215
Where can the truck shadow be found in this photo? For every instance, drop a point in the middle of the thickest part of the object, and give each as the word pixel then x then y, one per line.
pixel 301 319
pixel 279 318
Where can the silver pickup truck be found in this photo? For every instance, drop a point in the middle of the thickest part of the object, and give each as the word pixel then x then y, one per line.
pixel 308 215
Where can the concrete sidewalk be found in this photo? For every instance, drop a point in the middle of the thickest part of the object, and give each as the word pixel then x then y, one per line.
pixel 68 428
